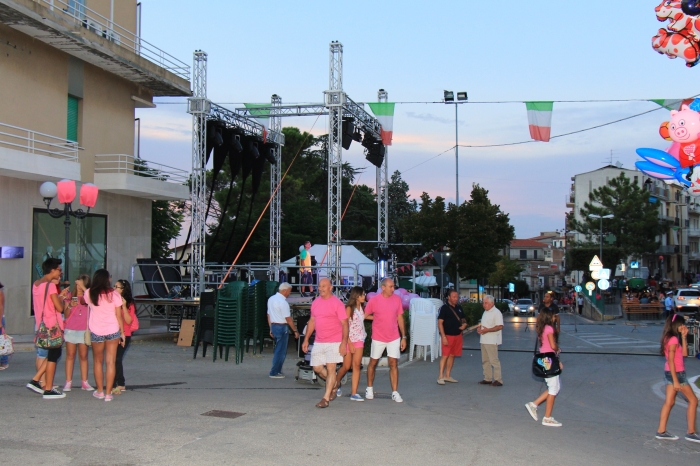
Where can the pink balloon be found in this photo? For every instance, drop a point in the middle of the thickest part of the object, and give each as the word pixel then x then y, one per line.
pixel 405 302
pixel 371 295
pixel 403 291
pixel 427 274
pixel 413 295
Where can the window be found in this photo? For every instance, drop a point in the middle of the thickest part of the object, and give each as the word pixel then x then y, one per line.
pixel 72 119
pixel 523 253
pixel 535 253
pixel 87 247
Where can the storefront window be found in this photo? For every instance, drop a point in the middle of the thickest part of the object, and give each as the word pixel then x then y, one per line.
pixel 87 243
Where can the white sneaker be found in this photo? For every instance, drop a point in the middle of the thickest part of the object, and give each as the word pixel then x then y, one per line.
pixel 532 409
pixel 369 393
pixel 396 397
pixel 550 422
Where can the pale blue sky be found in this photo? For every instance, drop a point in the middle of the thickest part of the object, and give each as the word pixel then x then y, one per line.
pixel 593 50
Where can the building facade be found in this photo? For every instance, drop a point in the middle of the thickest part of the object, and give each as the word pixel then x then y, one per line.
pixel 73 73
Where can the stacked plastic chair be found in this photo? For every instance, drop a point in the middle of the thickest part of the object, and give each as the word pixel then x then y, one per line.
pixel 229 321
pixel 204 325
pixel 256 314
pixel 424 331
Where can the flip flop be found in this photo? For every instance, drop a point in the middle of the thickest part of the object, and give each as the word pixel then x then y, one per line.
pixel 323 403
pixel 116 391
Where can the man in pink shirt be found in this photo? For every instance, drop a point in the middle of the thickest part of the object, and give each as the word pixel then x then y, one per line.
pixel 330 321
pixel 388 321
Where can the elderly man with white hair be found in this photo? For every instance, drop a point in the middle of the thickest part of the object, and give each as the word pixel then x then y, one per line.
pixel 490 329
pixel 279 317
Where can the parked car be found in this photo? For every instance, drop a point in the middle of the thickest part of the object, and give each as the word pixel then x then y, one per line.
pixel 687 300
pixel 524 307
pixel 508 302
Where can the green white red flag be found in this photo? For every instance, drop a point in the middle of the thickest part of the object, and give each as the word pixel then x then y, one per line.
pixel 539 117
pixel 384 111
pixel 261 113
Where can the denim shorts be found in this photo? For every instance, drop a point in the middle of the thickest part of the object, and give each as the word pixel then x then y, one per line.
pixel 42 353
pixel 103 338
pixel 682 378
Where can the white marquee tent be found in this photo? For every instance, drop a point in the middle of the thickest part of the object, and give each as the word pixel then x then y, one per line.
pixel 350 257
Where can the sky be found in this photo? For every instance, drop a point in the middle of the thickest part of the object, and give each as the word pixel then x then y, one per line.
pixel 506 52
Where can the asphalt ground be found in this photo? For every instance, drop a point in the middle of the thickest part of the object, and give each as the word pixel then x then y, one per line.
pixel 608 405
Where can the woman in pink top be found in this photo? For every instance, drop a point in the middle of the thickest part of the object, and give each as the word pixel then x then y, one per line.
pixel 548 334
pixel 48 305
pixel 106 330
pixel 356 343
pixel 131 323
pixel 74 335
pixel 674 332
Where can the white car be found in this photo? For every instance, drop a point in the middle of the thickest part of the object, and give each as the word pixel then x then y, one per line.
pixel 524 307
pixel 687 300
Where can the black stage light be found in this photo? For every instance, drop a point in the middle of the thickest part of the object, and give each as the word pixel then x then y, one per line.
pixel 235 141
pixel 461 96
pixel 357 136
pixel 253 148
pixel 449 96
pixel 348 131
pixel 369 140
pixel 268 153
pixel 375 154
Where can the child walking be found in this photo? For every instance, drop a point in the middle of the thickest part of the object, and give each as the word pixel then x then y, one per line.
pixel 674 346
pixel 548 334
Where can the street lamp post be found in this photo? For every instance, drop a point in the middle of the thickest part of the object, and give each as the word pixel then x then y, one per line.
pixel 66 191
pixel 601 217
pixel 450 99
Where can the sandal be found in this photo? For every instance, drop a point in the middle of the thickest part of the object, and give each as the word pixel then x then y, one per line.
pixel 116 391
pixel 323 403
pixel 334 392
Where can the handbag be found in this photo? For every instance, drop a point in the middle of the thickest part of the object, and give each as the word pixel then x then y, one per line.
pixel 545 365
pixel 48 338
pixel 6 346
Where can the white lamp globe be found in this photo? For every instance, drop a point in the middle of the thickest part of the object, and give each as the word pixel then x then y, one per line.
pixel 48 189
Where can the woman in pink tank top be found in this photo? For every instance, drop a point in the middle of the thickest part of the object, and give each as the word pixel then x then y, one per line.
pixel 76 326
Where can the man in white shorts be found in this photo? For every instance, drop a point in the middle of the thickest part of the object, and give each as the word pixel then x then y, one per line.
pixel 330 321
pixel 387 312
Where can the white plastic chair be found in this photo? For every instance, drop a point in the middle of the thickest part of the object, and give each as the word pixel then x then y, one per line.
pixel 423 328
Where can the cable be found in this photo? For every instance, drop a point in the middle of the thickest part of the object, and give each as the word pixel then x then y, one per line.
pixel 409 102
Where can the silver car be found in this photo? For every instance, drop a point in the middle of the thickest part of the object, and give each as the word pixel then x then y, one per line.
pixel 524 307
pixel 687 300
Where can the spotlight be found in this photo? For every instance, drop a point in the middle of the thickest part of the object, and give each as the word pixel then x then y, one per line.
pixel 236 143
pixel 357 136
pixel 449 96
pixel 251 146
pixel 348 132
pixel 268 153
pixel 461 96
pixel 218 138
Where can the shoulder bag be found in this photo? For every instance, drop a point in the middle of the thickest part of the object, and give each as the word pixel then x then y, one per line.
pixel 48 338
pixel 545 365
pixel 6 346
pixel 459 319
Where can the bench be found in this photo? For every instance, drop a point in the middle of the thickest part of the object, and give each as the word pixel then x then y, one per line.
pixel 655 310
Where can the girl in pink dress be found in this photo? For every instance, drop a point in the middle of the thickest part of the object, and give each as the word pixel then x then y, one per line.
pixel 356 341
pixel 76 325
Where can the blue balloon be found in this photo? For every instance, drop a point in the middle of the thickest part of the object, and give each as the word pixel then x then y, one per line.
pixel 690 7
pixel 658 157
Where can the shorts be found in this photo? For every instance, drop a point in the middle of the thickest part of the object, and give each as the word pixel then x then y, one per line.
pixel 356 344
pixel 103 338
pixel 325 353
pixel 42 353
pixel 77 337
pixel 682 378
pixel 54 354
pixel 453 346
pixel 553 385
pixel 393 349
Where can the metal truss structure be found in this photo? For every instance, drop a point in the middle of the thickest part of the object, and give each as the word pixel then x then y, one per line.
pixel 383 190
pixel 337 105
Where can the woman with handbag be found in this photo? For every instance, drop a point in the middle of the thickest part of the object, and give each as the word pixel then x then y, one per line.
pixel 75 328
pixel 131 324
pixel 47 304
pixel 547 336
pixel 106 331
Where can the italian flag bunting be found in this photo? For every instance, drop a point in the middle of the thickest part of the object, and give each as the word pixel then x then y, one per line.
pixel 539 117
pixel 261 113
pixel 384 111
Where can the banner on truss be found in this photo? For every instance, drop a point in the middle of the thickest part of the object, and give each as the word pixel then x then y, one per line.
pixel 261 113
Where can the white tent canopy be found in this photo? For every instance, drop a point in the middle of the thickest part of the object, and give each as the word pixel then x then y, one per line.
pixel 350 257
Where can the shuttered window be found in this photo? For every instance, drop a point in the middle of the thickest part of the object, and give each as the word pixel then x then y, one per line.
pixel 72 119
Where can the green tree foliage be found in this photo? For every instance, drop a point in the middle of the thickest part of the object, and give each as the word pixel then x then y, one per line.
pixel 506 271
pixel 579 258
pixel 522 288
pixel 400 206
pixel 635 223
pixel 166 220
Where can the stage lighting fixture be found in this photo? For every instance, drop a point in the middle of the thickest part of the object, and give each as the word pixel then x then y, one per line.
pixel 348 131
pixel 252 148
pixel 268 153
pixel 449 96
pixel 368 141
pixel 375 154
pixel 461 96
pixel 236 143
pixel 357 136
pixel 218 138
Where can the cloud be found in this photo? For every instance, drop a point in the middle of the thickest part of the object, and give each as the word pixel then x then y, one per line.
pixel 430 117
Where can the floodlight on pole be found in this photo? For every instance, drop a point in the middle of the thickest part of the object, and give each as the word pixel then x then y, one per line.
pixel 601 217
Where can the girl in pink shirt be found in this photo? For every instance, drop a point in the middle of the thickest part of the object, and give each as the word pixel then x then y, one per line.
pixel 673 350
pixel 548 334
pixel 128 311
pixel 76 325
pixel 356 343
pixel 106 330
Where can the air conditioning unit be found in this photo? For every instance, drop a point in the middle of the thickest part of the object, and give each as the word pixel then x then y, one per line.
pixel 112 36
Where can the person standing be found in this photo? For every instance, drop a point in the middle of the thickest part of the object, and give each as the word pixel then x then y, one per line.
pixel 279 318
pixel 451 324
pixel 131 324
pixel 388 322
pixel 490 329
pixel 357 336
pixel 668 305
pixel 74 335
pixel 579 303
pixel 305 263
pixel 549 304
pixel 4 360
pixel 329 320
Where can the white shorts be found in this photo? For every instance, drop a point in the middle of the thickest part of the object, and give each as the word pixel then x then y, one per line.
pixel 324 353
pixel 553 385
pixel 393 349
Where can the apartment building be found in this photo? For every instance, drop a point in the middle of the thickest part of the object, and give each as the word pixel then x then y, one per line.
pixel 73 73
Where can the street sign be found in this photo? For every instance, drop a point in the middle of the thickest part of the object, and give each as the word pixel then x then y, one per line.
pixel 604 274
pixel 595 274
pixel 595 263
pixel 603 284
pixel 590 286
pixel 633 265
pixel 578 288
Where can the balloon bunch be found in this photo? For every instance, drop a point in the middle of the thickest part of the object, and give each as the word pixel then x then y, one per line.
pixel 402 293
pixel 682 36
pixel 678 161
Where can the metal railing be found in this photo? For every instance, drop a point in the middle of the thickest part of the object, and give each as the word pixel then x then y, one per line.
pixel 34 142
pixel 104 27
pixel 694 232
pixel 124 163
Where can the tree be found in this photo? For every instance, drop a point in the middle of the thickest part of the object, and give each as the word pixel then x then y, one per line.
pixel 400 206
pixel 166 220
pixel 635 224
pixel 506 271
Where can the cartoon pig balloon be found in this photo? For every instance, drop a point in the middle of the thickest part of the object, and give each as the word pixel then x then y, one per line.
pixel 684 128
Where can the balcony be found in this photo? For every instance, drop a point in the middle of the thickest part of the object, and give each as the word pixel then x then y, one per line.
pixel 89 36
pixel 694 256
pixel 571 200
pixel 127 175
pixel 694 232
pixel 31 155
pixel 661 193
